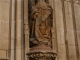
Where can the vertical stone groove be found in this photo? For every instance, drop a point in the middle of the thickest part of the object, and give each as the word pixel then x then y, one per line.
pixel 64 20
pixel 54 18
pixel 15 7
pixel 22 27
pixel 10 16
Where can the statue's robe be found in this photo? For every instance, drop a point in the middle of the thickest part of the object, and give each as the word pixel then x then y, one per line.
pixel 42 17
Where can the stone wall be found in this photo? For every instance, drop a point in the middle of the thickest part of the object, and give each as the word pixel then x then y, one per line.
pixel 4 28
pixel 14 30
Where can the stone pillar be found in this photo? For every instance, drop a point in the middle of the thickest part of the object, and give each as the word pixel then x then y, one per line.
pixel 12 14
pixel 60 37
pixel 26 28
pixel 70 35
pixel 18 30
pixel 76 11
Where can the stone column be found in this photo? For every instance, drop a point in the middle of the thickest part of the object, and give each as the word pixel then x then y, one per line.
pixel 60 38
pixel 70 36
pixel 26 28
pixel 12 13
pixel 53 29
pixel 76 11
pixel 18 30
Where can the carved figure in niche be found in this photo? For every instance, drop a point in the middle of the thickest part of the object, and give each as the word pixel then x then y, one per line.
pixel 41 23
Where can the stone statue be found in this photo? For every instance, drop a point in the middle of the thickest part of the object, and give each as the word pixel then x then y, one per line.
pixel 41 23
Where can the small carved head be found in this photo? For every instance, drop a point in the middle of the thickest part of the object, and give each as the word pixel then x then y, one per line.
pixel 41 0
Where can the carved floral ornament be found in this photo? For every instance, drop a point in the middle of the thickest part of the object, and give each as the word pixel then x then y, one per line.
pixel 42 55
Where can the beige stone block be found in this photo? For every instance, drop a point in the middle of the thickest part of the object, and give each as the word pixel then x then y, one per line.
pixel 69 21
pixel 61 52
pixel 58 12
pixel 75 1
pixel 18 54
pixel 5 31
pixel 4 11
pixel 67 7
pixel 18 10
pixel 12 30
pixel 72 50
pixel 26 43
pixel 4 44
pixel 12 55
pixel 59 22
pixel 68 15
pixel 62 57
pixel 72 53
pixel 77 15
pixel 78 37
pixel 2 53
pixel 60 36
pixel 23 55
pixel 70 37
pixel 62 49
pixel 19 36
pixel 18 44
pixel 12 44
pixel 5 1
pixel 72 57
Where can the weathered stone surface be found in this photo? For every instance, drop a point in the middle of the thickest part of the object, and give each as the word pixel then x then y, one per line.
pixel 70 37
pixel 4 28
pixel 77 16
pixel 60 30
pixel 64 50
pixel 72 53
pixel 2 53
pixel 77 22
pixel 5 1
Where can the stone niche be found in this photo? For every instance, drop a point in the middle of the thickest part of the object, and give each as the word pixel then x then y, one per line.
pixel 40 24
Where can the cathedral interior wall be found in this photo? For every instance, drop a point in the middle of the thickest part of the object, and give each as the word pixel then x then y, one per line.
pixel 14 29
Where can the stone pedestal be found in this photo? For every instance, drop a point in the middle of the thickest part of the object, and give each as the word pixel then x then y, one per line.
pixel 41 52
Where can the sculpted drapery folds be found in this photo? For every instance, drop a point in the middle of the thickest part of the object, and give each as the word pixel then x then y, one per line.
pixel 41 23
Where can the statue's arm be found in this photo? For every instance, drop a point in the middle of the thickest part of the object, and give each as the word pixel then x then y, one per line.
pixel 46 15
pixel 34 13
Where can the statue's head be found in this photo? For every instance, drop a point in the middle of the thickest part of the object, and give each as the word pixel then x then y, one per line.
pixel 41 0
pixel 47 1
